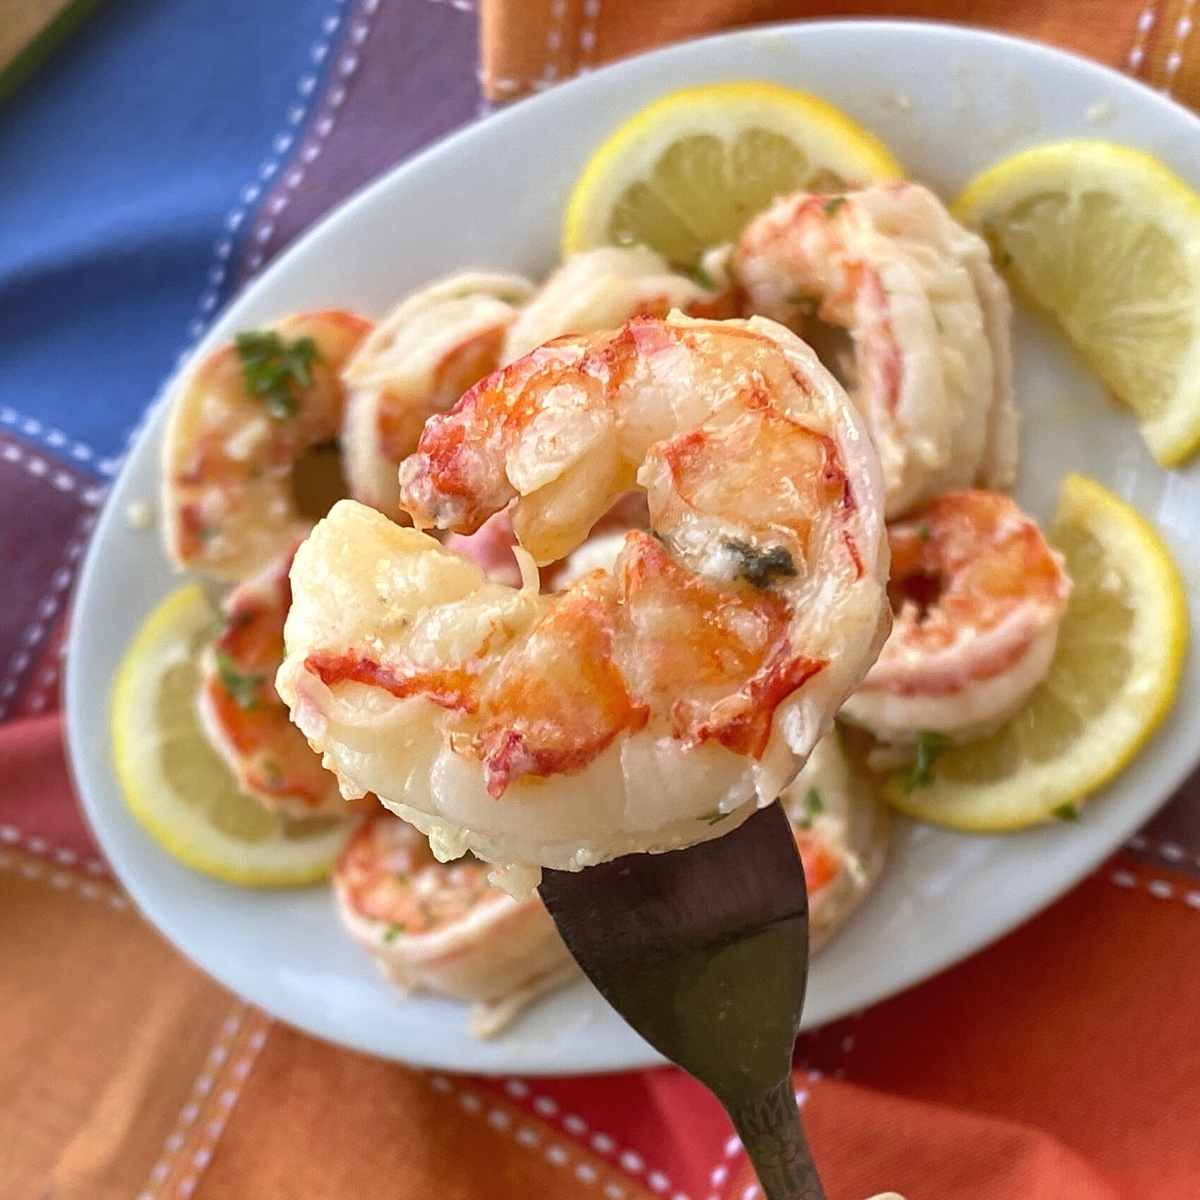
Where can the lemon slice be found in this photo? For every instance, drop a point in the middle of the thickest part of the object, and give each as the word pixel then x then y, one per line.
pixel 687 172
pixel 174 783
pixel 1107 241
pixel 1120 651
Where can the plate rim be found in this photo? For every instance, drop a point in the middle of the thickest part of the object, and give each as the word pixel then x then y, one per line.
pixel 77 757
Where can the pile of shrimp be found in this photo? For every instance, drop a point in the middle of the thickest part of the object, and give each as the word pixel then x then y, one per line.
pixel 977 594
pixel 251 430
pixel 264 433
pixel 617 550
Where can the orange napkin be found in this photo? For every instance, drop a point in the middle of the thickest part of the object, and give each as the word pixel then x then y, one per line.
pixel 528 45
pixel 1059 1064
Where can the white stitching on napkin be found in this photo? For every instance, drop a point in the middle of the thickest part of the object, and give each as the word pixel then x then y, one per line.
pixel 63 856
pixel 48 869
pixel 529 1138
pixel 587 34
pixel 216 272
pixel 343 71
pixel 283 141
pixel 1160 889
pixel 47 609
pixel 1145 23
pixel 547 1107
pixel 41 468
pixel 201 1087
pixel 1171 852
pixel 55 438
pixel 554 32
pixel 1183 29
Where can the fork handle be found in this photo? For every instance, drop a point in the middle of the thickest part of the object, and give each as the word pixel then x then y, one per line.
pixel 773 1135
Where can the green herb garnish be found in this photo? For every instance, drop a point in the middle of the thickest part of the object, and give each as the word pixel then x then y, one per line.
pixel 700 276
pixel 923 532
pixel 393 931
pixel 833 204
pixel 813 807
pixel 1066 812
pixel 714 818
pixel 760 566
pixel 274 370
pixel 243 688
pixel 929 746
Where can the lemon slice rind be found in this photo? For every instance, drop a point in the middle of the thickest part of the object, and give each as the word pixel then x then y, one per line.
pixel 289 855
pixel 830 138
pixel 1156 643
pixel 1156 198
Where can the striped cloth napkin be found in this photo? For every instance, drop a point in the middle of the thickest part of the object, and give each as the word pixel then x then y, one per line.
pixel 156 162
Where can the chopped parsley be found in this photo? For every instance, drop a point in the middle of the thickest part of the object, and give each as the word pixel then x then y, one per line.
pixel 760 566
pixel 274 370
pixel 813 807
pixel 715 817
pixel 920 774
pixel 923 532
pixel 1066 812
pixel 833 204
pixel 393 931
pixel 243 688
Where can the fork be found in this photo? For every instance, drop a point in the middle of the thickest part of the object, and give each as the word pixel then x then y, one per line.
pixel 704 952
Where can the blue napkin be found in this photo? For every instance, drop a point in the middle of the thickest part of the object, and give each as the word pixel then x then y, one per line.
pixel 120 161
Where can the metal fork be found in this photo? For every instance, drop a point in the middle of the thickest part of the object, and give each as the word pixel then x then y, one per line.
pixel 705 953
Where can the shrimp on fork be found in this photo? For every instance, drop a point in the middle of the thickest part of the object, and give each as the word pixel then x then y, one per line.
pixel 645 708
pixel 416 362
pixel 977 597
pixel 442 339
pixel 928 317
pixel 242 419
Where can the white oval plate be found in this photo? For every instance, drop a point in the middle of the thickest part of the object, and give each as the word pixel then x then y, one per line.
pixel 948 101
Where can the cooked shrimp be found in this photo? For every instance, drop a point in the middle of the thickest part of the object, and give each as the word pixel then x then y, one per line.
pixel 998 467
pixel 240 713
pixel 416 362
pixel 493 545
pixel 622 713
pixel 602 288
pixel 242 419
pixel 931 375
pixel 842 833
pixel 603 546
pixel 977 597
pixel 442 927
